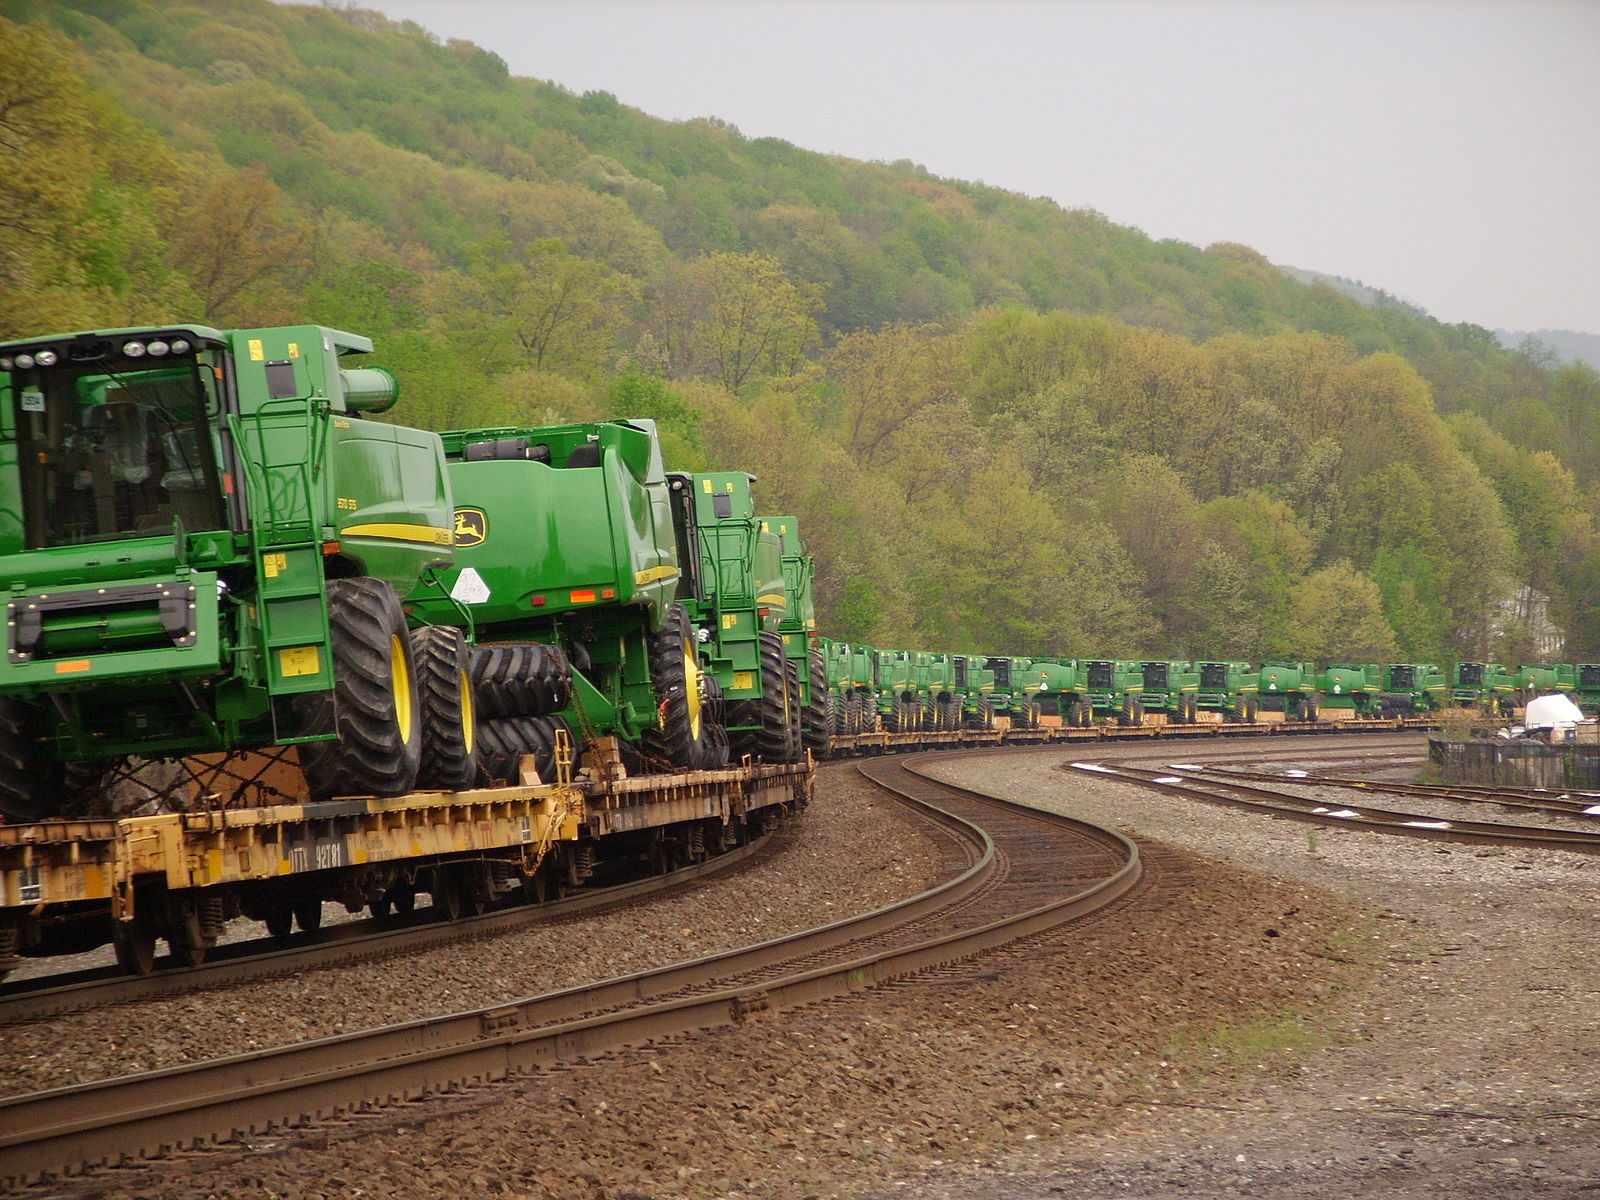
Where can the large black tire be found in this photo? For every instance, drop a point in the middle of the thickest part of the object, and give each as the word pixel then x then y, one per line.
pixel 373 704
pixel 867 720
pixel 794 742
pixel 445 696
pixel 537 736
pixel 496 752
pixel 892 718
pixel 772 720
pixel 715 750
pixel 683 738
pixel 520 679
pixel 817 725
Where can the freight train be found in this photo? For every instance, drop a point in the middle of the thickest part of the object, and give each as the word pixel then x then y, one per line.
pixel 904 690
pixel 266 650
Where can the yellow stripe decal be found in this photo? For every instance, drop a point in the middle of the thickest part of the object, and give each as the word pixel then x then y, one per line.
pixel 653 574
pixel 431 534
pixel 772 598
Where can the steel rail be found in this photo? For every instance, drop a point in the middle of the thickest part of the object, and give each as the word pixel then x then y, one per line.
pixel 1586 804
pixel 1299 808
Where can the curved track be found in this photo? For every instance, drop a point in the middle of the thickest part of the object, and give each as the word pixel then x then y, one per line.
pixel 1020 872
pixel 1573 803
pixel 1193 782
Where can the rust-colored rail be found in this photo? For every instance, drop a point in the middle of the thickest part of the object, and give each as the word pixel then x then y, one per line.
pixel 1569 803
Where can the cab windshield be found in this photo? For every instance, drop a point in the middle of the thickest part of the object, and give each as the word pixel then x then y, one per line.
pixel 109 455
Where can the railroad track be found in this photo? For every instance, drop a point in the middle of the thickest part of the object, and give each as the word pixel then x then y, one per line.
pixel 1019 872
pixel 1579 804
pixel 355 941
pixel 1193 782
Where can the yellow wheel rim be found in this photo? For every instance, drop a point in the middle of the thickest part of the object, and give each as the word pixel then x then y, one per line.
pixel 469 723
pixel 691 687
pixel 400 680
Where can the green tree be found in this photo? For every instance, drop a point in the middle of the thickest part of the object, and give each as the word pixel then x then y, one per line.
pixel 1338 617
pixel 1268 540
pixel 233 239
pixel 887 381
pixel 1409 588
pixel 731 318
pixel 544 309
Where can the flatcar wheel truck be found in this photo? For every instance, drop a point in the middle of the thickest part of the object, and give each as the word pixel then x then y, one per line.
pixel 204 543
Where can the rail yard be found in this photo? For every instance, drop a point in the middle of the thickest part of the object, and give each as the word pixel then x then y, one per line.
pixel 960 1063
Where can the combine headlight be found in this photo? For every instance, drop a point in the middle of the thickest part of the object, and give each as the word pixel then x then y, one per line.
pixel 46 358
pixel 24 361
pixel 157 349
pixel 6 363
pixel 180 346
pixel 133 349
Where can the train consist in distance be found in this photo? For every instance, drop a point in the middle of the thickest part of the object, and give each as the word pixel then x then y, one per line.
pixel 901 690
pixel 266 651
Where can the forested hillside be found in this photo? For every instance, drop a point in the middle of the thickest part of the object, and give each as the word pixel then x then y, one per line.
pixel 1003 424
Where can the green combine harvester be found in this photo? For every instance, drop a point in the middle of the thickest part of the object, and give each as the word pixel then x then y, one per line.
pixel 204 542
pixel 567 581
pixel 798 628
pixel 735 595
pixel 852 685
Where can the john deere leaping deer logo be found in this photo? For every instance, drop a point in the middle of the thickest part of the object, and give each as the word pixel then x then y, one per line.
pixel 472 526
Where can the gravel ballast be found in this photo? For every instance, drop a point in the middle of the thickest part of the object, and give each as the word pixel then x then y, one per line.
pixel 1292 1014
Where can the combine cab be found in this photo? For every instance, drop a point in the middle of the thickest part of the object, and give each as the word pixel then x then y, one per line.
pixel 1587 686
pixel 1488 687
pixel 1170 688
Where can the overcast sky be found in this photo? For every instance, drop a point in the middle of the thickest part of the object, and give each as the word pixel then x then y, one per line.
pixel 1446 151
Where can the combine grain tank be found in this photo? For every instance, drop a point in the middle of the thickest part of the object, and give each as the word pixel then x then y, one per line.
pixel 1289 688
pixel 1350 688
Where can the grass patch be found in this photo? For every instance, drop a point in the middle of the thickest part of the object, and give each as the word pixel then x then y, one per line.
pixel 1272 1044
